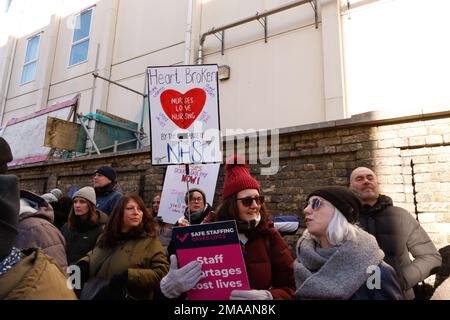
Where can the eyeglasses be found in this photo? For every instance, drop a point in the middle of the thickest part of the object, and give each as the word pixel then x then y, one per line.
pixel 315 204
pixel 248 201
pixel 196 199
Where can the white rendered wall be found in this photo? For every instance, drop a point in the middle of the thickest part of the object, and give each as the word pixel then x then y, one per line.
pixel 397 56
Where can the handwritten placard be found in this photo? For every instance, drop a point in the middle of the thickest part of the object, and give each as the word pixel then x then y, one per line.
pixel 184 114
pixel 201 176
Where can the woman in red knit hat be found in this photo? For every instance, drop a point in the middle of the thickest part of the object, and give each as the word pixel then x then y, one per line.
pixel 267 258
pixel 268 261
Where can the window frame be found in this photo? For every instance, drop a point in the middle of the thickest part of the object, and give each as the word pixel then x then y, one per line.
pixel 79 41
pixel 7 6
pixel 27 63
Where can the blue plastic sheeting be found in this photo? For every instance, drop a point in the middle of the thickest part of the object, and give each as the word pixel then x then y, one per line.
pixel 286 224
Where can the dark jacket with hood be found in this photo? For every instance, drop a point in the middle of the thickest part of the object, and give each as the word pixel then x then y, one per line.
pixel 107 197
pixel 398 234
pixel 83 239
pixel 36 229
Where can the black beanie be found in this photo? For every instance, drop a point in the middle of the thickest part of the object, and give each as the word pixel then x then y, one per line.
pixel 9 213
pixel 5 155
pixel 108 172
pixel 343 199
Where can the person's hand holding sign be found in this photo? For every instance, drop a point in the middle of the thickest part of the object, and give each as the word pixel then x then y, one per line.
pixel 178 281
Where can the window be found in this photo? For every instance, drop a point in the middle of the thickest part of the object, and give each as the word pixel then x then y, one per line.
pixel 7 4
pixel 31 57
pixel 80 41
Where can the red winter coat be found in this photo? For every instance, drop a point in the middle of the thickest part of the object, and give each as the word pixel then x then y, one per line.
pixel 269 262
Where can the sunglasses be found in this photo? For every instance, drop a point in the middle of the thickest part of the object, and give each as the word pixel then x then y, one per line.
pixel 248 201
pixel 315 204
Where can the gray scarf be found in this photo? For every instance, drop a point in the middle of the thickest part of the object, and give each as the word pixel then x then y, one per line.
pixel 336 272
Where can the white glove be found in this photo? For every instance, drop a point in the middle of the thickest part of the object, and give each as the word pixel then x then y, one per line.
pixel 183 222
pixel 180 280
pixel 251 295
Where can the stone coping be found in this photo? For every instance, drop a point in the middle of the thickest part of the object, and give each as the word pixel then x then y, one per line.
pixel 362 119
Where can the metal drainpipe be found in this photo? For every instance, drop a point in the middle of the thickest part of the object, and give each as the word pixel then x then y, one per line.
pixel 245 20
pixel 187 50
pixel 200 53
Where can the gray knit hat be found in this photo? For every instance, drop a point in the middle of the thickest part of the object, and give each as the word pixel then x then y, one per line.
pixel 57 193
pixel 49 197
pixel 188 194
pixel 87 193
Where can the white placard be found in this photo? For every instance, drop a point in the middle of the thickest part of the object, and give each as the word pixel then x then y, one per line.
pixel 201 176
pixel 184 114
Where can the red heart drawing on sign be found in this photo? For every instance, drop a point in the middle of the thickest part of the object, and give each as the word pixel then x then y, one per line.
pixel 183 109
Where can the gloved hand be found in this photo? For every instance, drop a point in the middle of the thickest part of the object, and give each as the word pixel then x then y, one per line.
pixel 84 270
pixel 251 295
pixel 180 280
pixel 118 283
pixel 115 290
pixel 183 222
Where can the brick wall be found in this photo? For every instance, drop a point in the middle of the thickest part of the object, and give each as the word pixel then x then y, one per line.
pixel 310 156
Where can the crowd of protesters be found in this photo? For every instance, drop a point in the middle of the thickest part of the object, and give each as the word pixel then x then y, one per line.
pixel 115 239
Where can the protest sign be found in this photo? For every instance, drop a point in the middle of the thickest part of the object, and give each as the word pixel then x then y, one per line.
pixel 216 246
pixel 184 114
pixel 201 176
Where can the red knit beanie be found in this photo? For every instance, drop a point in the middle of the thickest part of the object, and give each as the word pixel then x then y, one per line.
pixel 237 177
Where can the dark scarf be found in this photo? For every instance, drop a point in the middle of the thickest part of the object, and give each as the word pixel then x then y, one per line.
pixel 104 191
pixel 246 226
pixel 382 202
pixel 86 225
pixel 198 216
pixel 336 272
pixel 132 234
pixel 10 261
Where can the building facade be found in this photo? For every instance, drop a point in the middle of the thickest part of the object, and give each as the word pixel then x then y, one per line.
pixel 287 70
pixel 347 83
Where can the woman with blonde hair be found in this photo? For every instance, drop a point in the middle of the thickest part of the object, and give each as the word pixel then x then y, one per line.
pixel 335 258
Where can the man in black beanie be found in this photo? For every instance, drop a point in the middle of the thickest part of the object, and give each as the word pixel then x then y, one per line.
pixel 107 190
pixel 5 155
